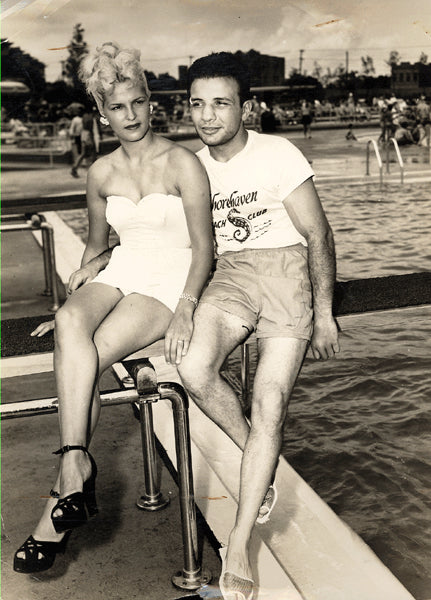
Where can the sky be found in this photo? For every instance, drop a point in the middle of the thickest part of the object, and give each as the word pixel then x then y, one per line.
pixel 170 33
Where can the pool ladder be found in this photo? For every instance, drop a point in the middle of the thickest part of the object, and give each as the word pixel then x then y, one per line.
pixel 379 158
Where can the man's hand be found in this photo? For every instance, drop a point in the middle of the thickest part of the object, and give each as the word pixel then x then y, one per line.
pixel 178 336
pixel 324 343
pixel 81 276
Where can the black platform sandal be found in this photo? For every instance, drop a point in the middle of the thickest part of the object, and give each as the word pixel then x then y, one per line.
pixel 38 555
pixel 74 507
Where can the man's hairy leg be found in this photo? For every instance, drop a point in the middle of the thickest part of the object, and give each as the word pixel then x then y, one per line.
pixel 216 334
pixel 280 360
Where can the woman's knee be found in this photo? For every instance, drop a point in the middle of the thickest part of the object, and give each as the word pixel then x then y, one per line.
pixel 69 319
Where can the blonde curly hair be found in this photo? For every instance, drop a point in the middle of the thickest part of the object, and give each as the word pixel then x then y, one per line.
pixel 111 64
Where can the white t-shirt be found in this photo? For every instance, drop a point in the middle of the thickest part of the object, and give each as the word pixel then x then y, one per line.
pixel 247 193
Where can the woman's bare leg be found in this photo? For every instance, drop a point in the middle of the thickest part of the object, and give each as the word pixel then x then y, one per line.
pixel 135 322
pixel 76 322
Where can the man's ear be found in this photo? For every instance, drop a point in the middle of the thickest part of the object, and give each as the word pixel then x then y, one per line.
pixel 247 108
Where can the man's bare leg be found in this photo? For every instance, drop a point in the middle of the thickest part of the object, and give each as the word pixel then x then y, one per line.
pixel 216 334
pixel 279 363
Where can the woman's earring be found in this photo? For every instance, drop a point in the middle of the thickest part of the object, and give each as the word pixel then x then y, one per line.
pixel 104 120
pixel 151 109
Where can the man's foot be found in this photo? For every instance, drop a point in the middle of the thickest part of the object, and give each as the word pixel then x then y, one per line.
pixel 267 505
pixel 74 172
pixel 233 586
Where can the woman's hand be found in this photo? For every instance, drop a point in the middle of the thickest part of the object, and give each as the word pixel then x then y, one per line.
pixel 43 328
pixel 178 336
pixel 83 275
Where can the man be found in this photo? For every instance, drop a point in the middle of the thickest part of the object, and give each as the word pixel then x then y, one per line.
pixel 266 213
pixel 75 130
pixel 423 118
pixel 275 266
pixel 87 144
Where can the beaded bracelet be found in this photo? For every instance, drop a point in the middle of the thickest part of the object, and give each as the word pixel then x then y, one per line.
pixel 190 298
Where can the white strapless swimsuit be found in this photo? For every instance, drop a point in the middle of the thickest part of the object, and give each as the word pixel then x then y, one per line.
pixel 154 254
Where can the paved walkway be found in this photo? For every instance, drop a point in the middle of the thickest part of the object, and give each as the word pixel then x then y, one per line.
pixel 332 156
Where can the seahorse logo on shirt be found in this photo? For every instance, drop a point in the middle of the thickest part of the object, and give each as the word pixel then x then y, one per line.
pixel 245 228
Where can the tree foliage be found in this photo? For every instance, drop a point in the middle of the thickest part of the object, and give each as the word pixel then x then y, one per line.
pixel 20 66
pixel 367 65
pixel 394 58
pixel 78 49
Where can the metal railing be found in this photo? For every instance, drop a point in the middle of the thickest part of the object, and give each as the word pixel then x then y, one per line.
pixel 398 154
pixel 379 159
pixel 35 222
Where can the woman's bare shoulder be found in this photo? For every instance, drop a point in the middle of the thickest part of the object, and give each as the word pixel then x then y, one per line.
pixel 183 157
pixel 102 168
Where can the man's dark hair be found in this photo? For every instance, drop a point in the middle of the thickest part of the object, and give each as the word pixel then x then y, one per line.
pixel 221 64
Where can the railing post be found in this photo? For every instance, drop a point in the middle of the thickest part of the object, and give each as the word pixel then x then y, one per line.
pixel 50 266
pixel 192 576
pixel 144 376
pixel 399 157
pixel 367 162
pixel 379 160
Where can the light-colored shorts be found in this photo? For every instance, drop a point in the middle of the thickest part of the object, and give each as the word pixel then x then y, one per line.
pixel 269 288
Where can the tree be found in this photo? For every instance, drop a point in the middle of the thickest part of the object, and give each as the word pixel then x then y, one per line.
pixel 367 65
pixel 78 49
pixel 394 58
pixel 423 58
pixel 317 70
pixel 20 66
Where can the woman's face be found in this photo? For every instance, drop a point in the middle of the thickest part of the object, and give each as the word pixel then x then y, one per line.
pixel 127 109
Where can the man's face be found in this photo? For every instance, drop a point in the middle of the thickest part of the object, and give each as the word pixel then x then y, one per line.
pixel 216 110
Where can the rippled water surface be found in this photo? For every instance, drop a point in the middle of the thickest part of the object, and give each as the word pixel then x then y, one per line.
pixel 379 233
pixel 359 427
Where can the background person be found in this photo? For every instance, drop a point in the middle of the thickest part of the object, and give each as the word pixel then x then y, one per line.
pixel 306 118
pixel 88 144
pixel 155 194
pixel 75 130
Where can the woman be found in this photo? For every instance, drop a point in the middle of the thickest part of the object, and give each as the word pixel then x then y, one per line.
pixel 156 196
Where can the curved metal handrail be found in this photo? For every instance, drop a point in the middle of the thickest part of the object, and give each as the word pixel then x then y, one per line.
pixel 379 159
pixel 399 158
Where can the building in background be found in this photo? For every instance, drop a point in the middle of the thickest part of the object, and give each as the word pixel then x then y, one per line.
pixel 264 69
pixel 410 80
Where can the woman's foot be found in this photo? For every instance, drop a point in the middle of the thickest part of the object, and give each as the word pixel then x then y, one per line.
pixel 39 550
pixel 77 484
pixel 75 469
